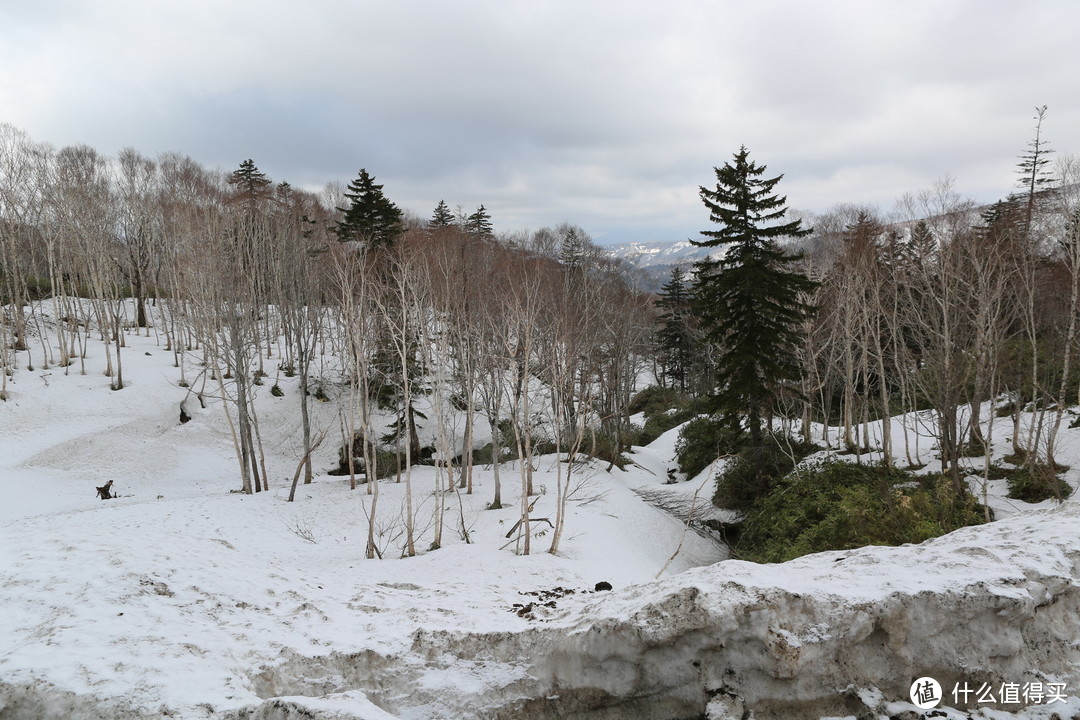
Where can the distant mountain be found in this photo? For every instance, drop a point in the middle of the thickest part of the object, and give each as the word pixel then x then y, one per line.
pixel 649 254
pixel 654 260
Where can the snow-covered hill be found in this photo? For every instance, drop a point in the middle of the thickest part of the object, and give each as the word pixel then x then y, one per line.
pixel 665 254
pixel 653 261
pixel 184 599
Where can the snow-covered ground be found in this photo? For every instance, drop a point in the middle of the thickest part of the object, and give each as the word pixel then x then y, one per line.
pixel 185 599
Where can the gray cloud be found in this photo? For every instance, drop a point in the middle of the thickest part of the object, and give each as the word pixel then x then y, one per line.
pixel 605 114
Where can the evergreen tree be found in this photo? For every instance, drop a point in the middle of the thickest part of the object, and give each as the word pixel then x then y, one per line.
pixel 574 245
pixel 442 218
pixel 675 339
pixel 1034 174
pixel 1002 221
pixel 251 184
pixel 284 193
pixel 370 218
pixel 750 303
pixel 479 224
pixel 922 245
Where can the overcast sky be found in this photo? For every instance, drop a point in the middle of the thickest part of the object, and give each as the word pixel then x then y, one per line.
pixel 608 115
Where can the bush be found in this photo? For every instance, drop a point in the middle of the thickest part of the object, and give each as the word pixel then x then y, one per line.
pixel 655 400
pixel 664 409
pixel 386 463
pixel 1035 483
pixel 602 446
pixel 703 440
pixel 657 425
pixel 543 446
pixel 994 472
pixel 484 455
pixel 755 471
pixel 840 505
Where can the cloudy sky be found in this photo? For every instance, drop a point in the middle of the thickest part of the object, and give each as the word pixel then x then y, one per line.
pixel 605 114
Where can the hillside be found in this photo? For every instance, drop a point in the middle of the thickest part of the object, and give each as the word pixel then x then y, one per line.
pixel 183 598
pixel 654 260
pixel 652 254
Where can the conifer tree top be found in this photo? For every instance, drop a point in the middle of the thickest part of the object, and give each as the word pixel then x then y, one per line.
pixel 370 217
pixel 744 205
pixel 251 183
pixel 442 217
pixel 479 224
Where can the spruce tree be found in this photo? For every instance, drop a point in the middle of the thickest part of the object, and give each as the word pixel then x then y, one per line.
pixel 1033 169
pixel 479 224
pixel 251 184
pixel 751 302
pixel 675 339
pixel 370 218
pixel 442 218
pixel 573 245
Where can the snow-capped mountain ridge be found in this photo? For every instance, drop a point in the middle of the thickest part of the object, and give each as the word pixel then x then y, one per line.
pixel 651 254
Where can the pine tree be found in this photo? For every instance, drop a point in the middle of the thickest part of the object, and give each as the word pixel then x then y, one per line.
pixel 442 218
pixel 1035 178
pixel 574 245
pixel 922 245
pixel 370 218
pixel 675 339
pixel 1002 220
pixel 751 305
pixel 479 224
pixel 252 185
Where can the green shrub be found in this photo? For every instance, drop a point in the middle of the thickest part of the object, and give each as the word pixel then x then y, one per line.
pixel 386 462
pixel 542 446
pixel 484 455
pixel 1019 457
pixel 1035 483
pixel 664 409
pixel 655 400
pixel 603 447
pixel 840 505
pixel 994 472
pixel 755 471
pixel 702 440
pixel 657 425
pixel 974 448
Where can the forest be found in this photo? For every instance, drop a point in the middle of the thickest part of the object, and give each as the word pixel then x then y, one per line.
pixel 960 319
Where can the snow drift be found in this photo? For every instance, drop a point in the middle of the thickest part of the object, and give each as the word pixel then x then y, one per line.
pixel 837 634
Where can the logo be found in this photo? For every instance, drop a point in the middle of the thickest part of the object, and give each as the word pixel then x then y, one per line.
pixel 926 693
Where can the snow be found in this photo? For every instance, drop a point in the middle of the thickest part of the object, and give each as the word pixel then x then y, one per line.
pixel 184 598
pixel 648 254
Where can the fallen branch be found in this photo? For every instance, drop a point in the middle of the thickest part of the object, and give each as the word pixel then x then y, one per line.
pixel 689 518
pixel 514 540
pixel 522 518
